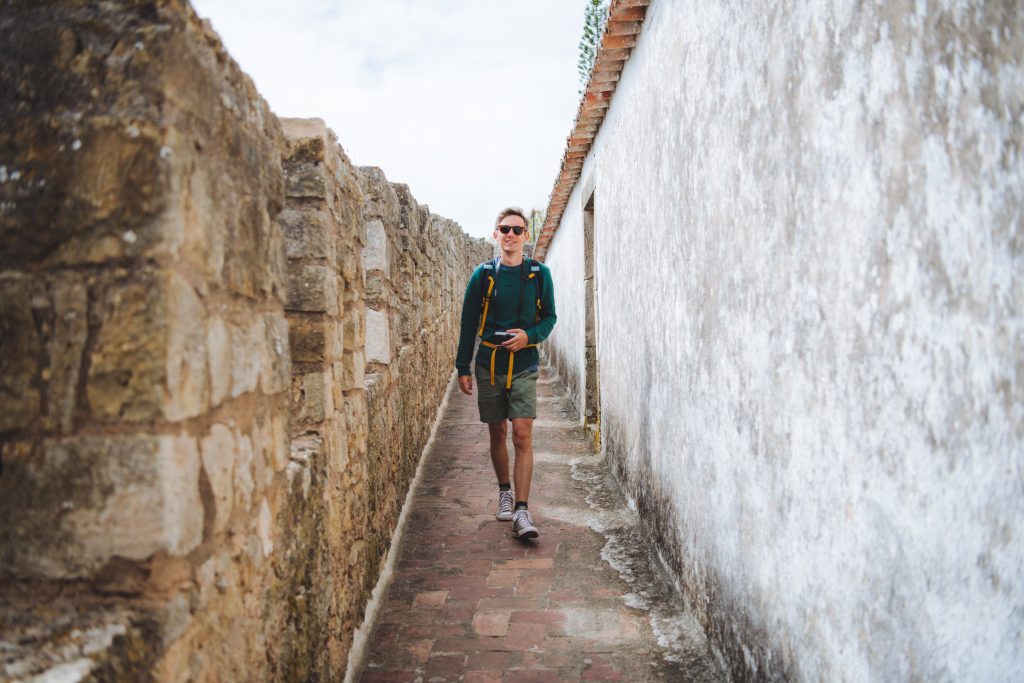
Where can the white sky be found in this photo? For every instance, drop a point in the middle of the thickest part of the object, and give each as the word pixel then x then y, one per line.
pixel 467 101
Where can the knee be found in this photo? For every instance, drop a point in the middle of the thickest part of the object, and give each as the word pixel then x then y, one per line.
pixel 521 437
pixel 499 430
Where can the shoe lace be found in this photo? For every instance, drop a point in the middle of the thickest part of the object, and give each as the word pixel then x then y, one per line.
pixel 505 501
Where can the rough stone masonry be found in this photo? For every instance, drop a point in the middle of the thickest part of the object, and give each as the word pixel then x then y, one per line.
pixel 193 486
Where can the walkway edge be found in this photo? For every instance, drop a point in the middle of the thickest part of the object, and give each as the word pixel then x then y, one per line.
pixel 357 653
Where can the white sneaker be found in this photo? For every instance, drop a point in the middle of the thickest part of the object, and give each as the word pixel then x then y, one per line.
pixel 522 525
pixel 504 506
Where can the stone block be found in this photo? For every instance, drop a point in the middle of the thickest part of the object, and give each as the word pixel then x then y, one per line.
pixel 247 354
pixel 128 360
pixel 336 340
pixel 313 289
pixel 261 434
pixel 281 444
pixel 66 347
pixel 264 524
pixel 378 337
pixel 43 330
pixel 68 506
pixel 305 450
pixel 218 343
pixel 186 351
pixel 379 198
pixel 306 233
pixel 219 452
pixel 377 252
pixel 355 327
pixel 311 399
pixel 350 264
pixel 378 290
pixel 306 182
pixel 306 140
pixel 353 367
pixel 308 339
pixel 149 357
pixel 244 481
pixel 276 367
pixel 336 446
pixel 356 424
pixel 213 577
pixel 96 188
pixel 20 395
pixel 255 264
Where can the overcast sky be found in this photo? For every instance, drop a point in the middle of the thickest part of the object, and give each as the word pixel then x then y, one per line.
pixel 469 102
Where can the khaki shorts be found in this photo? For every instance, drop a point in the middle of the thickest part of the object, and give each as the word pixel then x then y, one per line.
pixel 496 403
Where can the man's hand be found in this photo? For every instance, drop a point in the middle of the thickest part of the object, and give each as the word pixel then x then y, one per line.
pixel 466 384
pixel 517 342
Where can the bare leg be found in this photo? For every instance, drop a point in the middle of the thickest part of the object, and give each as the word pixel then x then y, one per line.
pixel 499 451
pixel 522 440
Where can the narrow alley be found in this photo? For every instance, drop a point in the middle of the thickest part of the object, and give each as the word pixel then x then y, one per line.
pixel 585 601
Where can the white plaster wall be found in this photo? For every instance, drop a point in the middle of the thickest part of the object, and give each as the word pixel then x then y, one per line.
pixel 812 340
pixel 565 347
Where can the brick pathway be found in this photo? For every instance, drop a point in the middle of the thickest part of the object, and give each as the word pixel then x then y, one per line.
pixel 468 602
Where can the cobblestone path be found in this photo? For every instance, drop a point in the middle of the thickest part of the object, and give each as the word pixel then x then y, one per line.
pixel 468 602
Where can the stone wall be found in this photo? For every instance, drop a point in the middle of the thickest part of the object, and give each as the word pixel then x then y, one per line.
pixel 417 266
pixel 145 349
pixel 328 569
pixel 187 489
pixel 810 342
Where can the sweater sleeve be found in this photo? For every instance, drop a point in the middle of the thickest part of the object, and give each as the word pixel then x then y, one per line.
pixel 470 321
pixel 540 331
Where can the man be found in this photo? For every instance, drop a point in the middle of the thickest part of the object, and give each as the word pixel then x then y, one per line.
pixel 510 306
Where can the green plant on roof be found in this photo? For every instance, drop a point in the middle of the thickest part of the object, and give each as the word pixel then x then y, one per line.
pixel 593 26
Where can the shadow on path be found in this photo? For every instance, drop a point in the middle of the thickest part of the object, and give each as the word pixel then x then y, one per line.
pixel 585 601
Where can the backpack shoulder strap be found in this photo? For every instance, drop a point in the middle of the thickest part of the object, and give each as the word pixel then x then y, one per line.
pixel 538 276
pixel 488 268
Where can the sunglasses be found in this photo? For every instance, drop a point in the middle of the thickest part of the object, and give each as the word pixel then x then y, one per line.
pixel 517 229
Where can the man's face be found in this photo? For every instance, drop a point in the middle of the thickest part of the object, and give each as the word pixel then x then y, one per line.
pixel 509 240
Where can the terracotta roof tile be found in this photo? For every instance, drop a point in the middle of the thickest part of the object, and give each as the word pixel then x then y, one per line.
pixel 625 20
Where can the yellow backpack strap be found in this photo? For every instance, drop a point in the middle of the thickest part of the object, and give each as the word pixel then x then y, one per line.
pixel 485 304
pixel 535 274
pixel 511 361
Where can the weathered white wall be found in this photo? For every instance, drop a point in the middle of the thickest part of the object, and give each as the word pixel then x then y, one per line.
pixel 565 347
pixel 812 330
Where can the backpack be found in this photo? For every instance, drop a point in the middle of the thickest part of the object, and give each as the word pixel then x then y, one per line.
pixel 529 266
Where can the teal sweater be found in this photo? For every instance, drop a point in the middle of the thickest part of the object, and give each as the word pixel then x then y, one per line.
pixel 513 304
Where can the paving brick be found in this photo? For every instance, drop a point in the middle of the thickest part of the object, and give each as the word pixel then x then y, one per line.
pixel 534 676
pixel 600 669
pixel 432 631
pixel 529 563
pixel 430 600
pixel 408 653
pixel 502 577
pixel 537 617
pixel 558 660
pixel 389 676
pixel 491 623
pixel 513 603
pixel 533 586
pixel 471 603
pixel 483 677
pixel 496 661
pixel 445 665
